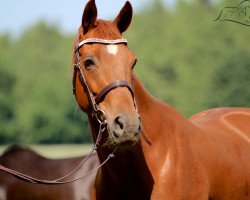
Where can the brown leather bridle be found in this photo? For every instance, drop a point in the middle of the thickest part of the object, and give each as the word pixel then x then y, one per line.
pixel 97 113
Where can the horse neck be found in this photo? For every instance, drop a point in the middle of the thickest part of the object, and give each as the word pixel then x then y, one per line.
pixel 163 127
pixel 155 114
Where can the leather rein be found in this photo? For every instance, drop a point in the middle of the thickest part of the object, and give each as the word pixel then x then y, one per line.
pixel 97 113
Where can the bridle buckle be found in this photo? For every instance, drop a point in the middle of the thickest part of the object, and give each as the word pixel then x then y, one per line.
pixel 100 116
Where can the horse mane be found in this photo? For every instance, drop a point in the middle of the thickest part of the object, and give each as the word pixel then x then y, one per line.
pixel 105 30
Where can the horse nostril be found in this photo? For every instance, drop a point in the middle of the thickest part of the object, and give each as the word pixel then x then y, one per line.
pixel 139 128
pixel 120 122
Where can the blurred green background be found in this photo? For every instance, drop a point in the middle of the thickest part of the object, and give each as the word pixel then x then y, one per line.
pixel 185 59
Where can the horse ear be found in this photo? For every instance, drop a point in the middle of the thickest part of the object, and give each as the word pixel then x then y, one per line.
pixel 89 16
pixel 123 20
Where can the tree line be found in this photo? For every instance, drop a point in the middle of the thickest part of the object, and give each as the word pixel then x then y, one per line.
pixel 185 59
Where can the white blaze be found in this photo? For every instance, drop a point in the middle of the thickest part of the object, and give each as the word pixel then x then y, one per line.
pixel 112 49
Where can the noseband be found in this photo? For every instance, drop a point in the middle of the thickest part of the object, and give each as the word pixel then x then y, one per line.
pixel 98 113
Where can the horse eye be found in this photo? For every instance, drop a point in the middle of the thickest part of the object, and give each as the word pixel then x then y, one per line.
pixel 88 63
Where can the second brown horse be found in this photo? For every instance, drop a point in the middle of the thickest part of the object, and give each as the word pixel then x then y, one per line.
pixel 29 162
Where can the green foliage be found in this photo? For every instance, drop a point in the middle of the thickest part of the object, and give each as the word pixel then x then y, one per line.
pixel 185 58
pixel 231 82
pixel 37 104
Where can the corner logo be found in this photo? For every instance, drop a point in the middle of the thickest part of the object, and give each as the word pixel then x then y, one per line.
pixel 239 14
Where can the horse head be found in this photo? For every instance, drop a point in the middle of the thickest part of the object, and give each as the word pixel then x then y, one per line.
pixel 104 74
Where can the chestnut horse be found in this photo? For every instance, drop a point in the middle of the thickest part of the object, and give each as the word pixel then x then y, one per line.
pixel 159 154
pixel 27 161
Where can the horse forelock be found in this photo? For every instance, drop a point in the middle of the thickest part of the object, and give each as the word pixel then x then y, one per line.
pixel 102 29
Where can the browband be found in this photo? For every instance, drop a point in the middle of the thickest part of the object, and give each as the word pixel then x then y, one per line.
pixel 101 41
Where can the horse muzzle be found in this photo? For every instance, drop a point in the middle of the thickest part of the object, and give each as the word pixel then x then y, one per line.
pixel 124 130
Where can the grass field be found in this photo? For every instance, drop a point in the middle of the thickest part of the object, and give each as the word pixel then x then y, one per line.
pixel 58 151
